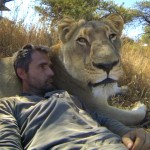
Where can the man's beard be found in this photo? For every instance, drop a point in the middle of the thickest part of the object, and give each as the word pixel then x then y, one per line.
pixel 49 89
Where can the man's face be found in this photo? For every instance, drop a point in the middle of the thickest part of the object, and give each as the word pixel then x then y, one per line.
pixel 39 76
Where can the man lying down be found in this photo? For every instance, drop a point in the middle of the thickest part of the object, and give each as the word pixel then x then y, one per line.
pixel 42 118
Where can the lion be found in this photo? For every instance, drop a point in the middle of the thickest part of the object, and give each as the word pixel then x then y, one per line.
pixel 87 64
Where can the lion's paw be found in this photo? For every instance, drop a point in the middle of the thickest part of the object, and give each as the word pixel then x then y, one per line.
pixel 124 89
pixel 140 107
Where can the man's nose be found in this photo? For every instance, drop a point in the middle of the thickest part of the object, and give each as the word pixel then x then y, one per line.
pixel 50 72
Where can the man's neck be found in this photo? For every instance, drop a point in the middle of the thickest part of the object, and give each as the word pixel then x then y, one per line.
pixel 34 92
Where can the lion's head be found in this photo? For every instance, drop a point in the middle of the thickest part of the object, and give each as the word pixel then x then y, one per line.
pixel 90 53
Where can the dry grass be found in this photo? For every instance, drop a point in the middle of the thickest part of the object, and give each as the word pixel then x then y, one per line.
pixel 136 64
pixel 14 35
pixel 136 61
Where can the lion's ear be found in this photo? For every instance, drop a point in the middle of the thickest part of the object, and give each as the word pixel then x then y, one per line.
pixel 117 20
pixel 64 28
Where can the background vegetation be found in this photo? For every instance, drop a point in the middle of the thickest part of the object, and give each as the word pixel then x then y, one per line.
pixel 135 55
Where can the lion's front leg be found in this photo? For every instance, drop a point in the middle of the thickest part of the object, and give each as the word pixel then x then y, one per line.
pixel 128 117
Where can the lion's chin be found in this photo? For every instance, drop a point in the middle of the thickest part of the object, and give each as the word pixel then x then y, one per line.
pixel 102 83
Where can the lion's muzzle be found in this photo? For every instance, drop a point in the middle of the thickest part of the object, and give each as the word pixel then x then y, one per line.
pixel 104 82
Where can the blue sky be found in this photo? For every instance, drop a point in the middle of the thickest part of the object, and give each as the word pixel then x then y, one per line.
pixel 23 9
pixel 127 3
pixel 135 30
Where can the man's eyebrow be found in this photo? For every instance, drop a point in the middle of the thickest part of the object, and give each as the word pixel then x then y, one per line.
pixel 45 63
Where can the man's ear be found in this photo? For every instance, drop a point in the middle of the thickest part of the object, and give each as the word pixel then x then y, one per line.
pixel 21 73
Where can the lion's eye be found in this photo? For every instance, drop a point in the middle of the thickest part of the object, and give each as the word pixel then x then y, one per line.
pixel 112 36
pixel 82 41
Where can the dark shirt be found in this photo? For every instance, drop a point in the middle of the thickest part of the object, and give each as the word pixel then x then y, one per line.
pixel 55 122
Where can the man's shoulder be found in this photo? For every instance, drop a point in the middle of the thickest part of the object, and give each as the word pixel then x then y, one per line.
pixel 9 98
pixel 17 98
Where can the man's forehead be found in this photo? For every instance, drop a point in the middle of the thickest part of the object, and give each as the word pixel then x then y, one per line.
pixel 40 58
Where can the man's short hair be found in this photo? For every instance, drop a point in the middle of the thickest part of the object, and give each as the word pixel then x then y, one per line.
pixel 23 57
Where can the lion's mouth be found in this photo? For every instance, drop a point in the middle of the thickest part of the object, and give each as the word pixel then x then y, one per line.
pixel 104 82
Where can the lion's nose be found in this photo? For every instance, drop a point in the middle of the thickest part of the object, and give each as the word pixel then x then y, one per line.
pixel 106 66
